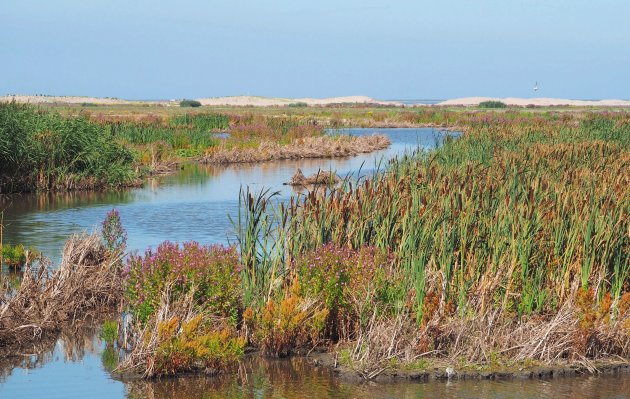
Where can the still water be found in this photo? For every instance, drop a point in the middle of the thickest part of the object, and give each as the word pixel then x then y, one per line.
pixel 193 204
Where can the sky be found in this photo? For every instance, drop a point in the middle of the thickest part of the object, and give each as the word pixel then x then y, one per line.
pixel 388 49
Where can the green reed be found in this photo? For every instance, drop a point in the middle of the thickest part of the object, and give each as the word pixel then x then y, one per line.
pixel 44 151
pixel 510 216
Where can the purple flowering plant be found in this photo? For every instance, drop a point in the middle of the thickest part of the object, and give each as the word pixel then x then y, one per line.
pixel 114 234
pixel 211 273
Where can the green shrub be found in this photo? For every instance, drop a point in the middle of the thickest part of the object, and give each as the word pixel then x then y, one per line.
pixel 190 103
pixel 492 104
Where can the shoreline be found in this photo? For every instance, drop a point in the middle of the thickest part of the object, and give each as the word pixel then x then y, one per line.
pixel 565 370
pixel 433 373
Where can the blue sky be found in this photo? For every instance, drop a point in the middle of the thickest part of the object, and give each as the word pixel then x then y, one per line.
pixel 152 49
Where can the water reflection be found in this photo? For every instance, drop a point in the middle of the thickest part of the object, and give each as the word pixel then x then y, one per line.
pixel 69 345
pixel 296 378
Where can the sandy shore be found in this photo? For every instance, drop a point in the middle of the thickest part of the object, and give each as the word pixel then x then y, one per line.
pixel 540 102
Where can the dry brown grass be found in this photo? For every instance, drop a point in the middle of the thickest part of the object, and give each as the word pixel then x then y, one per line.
pixel 309 147
pixel 319 178
pixel 85 285
pixel 492 339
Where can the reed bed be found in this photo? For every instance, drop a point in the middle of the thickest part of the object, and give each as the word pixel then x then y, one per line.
pixel 511 242
pixel 42 151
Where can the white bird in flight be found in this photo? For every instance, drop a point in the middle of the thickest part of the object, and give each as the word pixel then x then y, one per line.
pixel 536 87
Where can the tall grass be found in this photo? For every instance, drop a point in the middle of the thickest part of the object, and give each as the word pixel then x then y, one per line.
pixel 507 216
pixel 44 151
pixel 509 241
pixel 261 245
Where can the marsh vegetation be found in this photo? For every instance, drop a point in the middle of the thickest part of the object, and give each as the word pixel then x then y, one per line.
pixel 504 248
pixel 507 247
pixel 45 150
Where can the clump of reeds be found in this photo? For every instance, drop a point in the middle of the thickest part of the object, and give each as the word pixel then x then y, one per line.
pixel 318 178
pixel 44 151
pixel 86 283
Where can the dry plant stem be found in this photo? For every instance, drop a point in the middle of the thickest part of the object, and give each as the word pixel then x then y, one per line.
pixel 86 284
pixel 318 178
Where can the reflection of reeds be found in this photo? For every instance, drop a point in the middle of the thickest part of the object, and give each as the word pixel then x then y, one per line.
pixel 257 377
pixel 74 343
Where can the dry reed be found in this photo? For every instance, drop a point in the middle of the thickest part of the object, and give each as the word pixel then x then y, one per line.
pixel 309 147
pixel 85 285
pixel 318 178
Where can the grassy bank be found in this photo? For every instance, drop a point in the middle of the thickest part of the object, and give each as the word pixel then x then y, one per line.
pixel 507 247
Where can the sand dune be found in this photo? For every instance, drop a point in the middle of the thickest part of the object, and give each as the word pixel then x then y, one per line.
pixel 255 101
pixel 65 100
pixel 541 102
pixel 269 101
pixel 216 101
